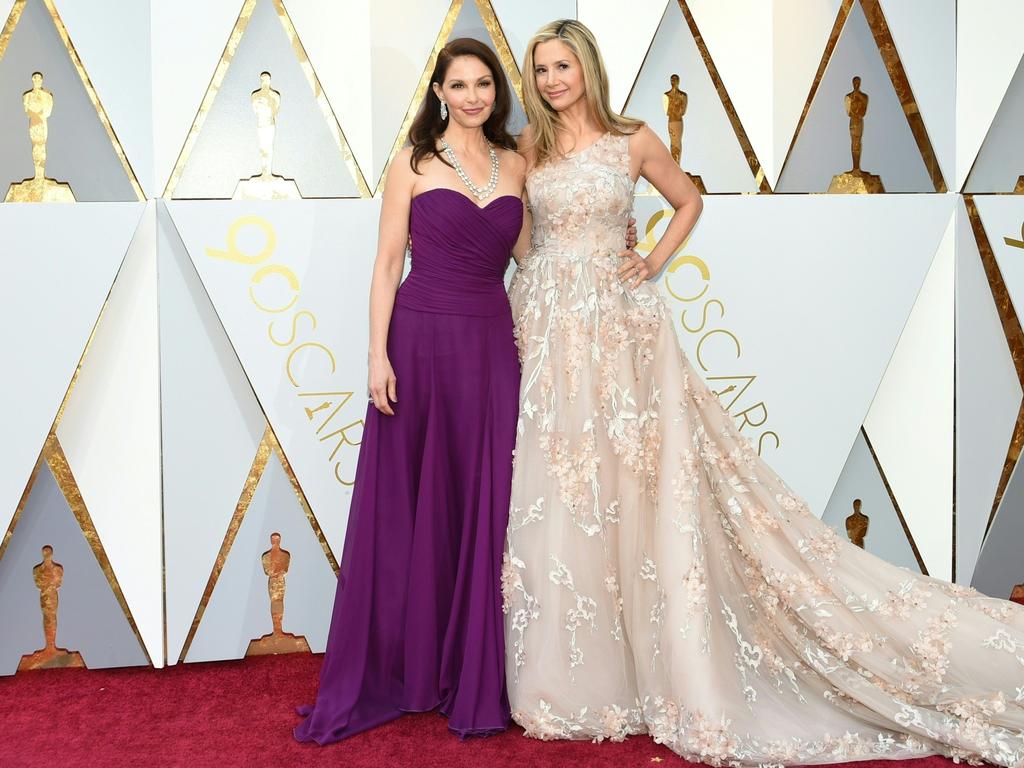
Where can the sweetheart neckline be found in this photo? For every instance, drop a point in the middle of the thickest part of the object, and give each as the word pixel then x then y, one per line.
pixel 467 198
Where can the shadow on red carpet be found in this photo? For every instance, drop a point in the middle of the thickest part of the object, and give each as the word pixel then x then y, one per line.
pixel 241 713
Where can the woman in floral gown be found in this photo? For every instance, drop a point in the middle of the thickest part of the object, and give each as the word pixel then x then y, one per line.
pixel 659 576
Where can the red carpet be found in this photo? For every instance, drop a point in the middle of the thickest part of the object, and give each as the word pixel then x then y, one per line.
pixel 240 714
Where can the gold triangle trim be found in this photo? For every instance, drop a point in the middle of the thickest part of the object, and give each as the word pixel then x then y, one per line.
pixel 756 169
pixel 981 148
pixel 268 446
pixel 895 504
pixel 501 47
pixel 52 454
pixel 1014 341
pixel 67 396
pixel 237 32
pixel 101 113
pixel 890 56
pixel 61 471
pixel 898 75
pixel 833 39
pixel 505 57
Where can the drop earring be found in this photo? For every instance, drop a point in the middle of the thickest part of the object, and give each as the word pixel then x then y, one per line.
pixel 444 110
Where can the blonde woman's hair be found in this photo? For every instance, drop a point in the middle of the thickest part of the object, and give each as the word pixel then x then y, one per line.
pixel 542 116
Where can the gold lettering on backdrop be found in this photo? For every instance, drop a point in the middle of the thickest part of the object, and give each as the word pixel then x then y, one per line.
pixel 275 269
pixel 38 105
pixel 339 436
pixel 48 576
pixel 345 430
pixel 1013 242
pixel 712 333
pixel 276 562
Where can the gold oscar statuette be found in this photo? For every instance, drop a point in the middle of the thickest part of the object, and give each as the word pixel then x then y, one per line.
pixel 275 564
pixel 675 102
pixel 48 576
pixel 38 105
pixel 1019 189
pixel 857 525
pixel 266 185
pixel 856 180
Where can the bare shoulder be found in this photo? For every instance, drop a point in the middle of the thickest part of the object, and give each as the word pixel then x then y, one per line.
pixel 515 161
pixel 402 164
pixel 401 177
pixel 643 141
pixel 525 142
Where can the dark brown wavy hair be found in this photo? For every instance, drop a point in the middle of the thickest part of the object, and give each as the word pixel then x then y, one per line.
pixel 428 125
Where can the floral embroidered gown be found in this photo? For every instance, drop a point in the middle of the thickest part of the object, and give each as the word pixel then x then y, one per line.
pixel 661 578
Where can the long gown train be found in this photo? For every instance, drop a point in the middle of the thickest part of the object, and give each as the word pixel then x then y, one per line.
pixel 659 577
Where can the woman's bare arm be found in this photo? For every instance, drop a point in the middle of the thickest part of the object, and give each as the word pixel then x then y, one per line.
pixel 657 166
pixel 392 238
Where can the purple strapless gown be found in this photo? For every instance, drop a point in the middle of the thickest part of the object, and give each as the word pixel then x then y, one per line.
pixel 417 621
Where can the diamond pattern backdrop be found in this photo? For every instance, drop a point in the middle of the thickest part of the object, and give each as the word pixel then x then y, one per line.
pixel 186 370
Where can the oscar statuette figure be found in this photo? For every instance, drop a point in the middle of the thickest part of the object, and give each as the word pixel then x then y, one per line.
pixel 266 185
pixel 856 180
pixel 48 576
pixel 276 562
pixel 38 105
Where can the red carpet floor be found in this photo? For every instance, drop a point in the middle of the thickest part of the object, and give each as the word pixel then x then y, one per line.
pixel 228 714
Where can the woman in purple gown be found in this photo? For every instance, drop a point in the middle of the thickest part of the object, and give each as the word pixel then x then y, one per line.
pixel 417 621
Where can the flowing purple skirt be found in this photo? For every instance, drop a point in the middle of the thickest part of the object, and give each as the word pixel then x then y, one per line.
pixel 417 621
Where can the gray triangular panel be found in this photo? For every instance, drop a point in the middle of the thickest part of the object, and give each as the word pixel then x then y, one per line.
pixel 227 147
pixel 78 148
pixel 822 147
pixel 239 608
pixel 89 618
pixel 1001 562
pixel 860 479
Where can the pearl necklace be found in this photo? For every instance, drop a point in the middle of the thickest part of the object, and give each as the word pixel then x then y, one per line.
pixel 480 193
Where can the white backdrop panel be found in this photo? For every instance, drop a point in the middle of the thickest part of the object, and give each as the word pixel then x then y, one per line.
pixel 121 73
pixel 398 54
pixel 799 34
pixel 988 396
pixel 336 37
pixel 1000 162
pixel 226 147
pixel 799 313
pixel 822 148
pixel 1003 219
pixel 623 38
pixel 61 261
pixel 211 427
pixel 239 607
pixel 184 57
pixel 710 146
pixel 312 261
pixel 734 32
pixel 910 423
pixel 988 48
pixel 924 32
pixel 111 435
pixel 520 19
